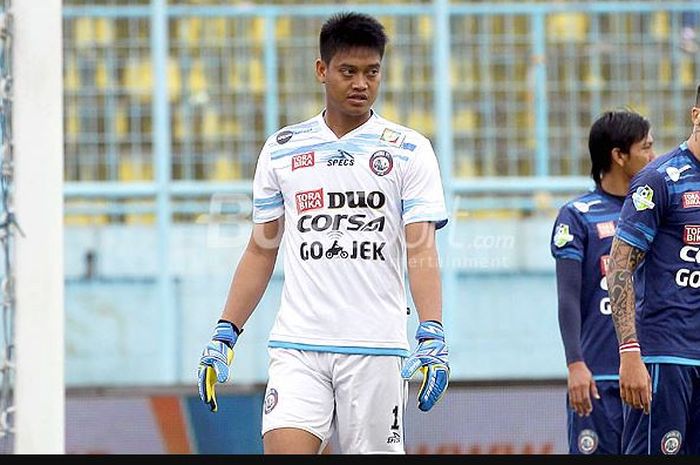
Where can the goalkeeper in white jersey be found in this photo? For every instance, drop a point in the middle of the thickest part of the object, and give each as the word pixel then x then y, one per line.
pixel 354 200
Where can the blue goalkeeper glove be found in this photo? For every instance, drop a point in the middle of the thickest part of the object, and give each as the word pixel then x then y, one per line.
pixel 215 361
pixel 431 357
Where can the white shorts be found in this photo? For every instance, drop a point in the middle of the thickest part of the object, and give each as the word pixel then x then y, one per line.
pixel 363 396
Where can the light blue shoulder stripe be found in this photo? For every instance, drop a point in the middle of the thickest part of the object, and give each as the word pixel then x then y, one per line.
pixel 340 349
pixel 606 378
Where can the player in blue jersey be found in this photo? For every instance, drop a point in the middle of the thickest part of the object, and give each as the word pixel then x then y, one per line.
pixel 620 144
pixel 654 283
pixel 354 201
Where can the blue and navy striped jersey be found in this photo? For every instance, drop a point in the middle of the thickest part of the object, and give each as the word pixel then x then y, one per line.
pixel 661 216
pixel 583 231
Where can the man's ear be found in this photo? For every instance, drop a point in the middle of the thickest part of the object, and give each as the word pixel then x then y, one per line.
pixel 321 69
pixel 695 116
pixel 618 157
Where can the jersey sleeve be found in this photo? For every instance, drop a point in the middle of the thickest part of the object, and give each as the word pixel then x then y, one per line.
pixel 569 235
pixel 422 196
pixel 643 209
pixel 268 202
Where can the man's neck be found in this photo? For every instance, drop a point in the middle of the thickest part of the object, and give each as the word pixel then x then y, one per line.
pixel 343 124
pixel 615 184
pixel 693 142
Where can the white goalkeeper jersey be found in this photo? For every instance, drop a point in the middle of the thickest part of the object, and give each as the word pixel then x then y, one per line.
pixel 345 203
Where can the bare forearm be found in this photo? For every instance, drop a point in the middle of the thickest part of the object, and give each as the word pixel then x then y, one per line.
pixel 253 272
pixel 248 286
pixel 424 273
pixel 622 263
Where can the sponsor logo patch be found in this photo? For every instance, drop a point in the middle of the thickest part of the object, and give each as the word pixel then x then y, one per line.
pixel 408 146
pixel 604 265
pixel 381 163
pixel 691 234
pixel 691 199
pixel 642 198
pixel 309 200
pixel 587 441
pixel 671 442
pixel 284 137
pixel 606 229
pixel 303 160
pixel 562 236
pixel 392 137
pixel 674 174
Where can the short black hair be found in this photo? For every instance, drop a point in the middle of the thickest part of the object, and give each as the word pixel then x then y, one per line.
pixel 347 30
pixel 614 129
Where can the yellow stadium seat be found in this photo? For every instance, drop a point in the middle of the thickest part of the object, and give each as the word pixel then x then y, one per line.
pixel 687 71
pixel 72 122
pixel 189 30
pixel 567 27
pixel 425 27
pixel 465 120
pixel 102 78
pixel 214 31
pixel 211 127
pixel 284 27
pixel 83 32
pixel 257 31
pixel 138 78
pixel 72 75
pixel 422 121
pixel 121 121
pixel 225 169
pixel 257 75
pixel 465 167
pixel 197 79
pixel 389 111
pixel 235 81
pixel 660 25
pixel 396 77
pixel 231 127
pixel 665 69
pixel 178 124
pixel 174 80
pixel 104 31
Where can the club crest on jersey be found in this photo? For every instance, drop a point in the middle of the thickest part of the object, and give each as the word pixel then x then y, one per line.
pixel 381 163
pixel 271 400
pixel 642 198
pixel 392 137
pixel 671 442
pixel 691 199
pixel 605 229
pixel 309 200
pixel 303 160
pixel 587 441
pixel 562 236
pixel 674 174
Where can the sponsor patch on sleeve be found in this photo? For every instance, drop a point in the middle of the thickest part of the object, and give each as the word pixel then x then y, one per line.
pixel 562 236
pixel 392 137
pixel 643 198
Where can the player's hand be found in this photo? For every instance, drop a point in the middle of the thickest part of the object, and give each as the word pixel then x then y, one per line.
pixel 215 361
pixel 431 357
pixel 581 388
pixel 635 382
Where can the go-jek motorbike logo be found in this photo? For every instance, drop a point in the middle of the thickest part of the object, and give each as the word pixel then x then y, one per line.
pixel 335 225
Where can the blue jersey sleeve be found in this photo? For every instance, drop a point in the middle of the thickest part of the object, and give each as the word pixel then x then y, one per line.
pixel 643 209
pixel 569 235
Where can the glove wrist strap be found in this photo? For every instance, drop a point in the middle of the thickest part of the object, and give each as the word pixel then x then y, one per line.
pixel 430 329
pixel 226 332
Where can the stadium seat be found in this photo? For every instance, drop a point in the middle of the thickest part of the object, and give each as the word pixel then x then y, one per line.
pixel 567 27
pixel 104 31
pixel 225 168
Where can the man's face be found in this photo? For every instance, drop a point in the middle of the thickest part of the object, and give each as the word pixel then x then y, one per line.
pixel 352 80
pixel 641 153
